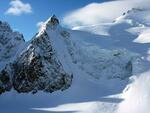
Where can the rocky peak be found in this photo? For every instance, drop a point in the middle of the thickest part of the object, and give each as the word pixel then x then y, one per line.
pixel 5 27
pixel 52 22
pixel 36 66
pixel 8 35
pixel 9 41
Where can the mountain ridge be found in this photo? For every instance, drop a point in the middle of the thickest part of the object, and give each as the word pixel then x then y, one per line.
pixel 27 68
pixel 47 62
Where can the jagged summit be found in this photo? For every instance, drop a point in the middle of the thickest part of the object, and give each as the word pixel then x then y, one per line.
pixel 52 21
pixel 8 36
pixel 4 26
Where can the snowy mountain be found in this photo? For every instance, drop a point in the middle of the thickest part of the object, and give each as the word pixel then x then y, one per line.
pixel 45 62
pixel 36 67
pixel 91 70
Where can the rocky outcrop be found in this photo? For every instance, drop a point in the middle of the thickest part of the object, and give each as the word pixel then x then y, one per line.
pixel 39 69
pixel 10 42
pixel 5 80
pixel 35 66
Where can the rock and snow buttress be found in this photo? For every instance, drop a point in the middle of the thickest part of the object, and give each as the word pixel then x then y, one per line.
pixel 30 66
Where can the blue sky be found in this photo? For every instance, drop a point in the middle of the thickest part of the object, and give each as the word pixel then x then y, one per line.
pixel 41 10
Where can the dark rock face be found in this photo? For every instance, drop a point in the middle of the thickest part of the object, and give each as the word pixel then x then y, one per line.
pixel 5 81
pixel 54 21
pixel 129 69
pixel 38 68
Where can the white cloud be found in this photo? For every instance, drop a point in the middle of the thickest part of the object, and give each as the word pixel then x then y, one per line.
pixel 96 13
pixel 17 7
pixel 39 24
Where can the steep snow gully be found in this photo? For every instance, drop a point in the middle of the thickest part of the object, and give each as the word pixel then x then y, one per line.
pixel 87 73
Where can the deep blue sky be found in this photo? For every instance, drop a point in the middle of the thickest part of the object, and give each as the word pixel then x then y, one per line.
pixel 42 10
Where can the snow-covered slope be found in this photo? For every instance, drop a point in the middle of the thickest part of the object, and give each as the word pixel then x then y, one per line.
pixel 129 31
pixel 136 95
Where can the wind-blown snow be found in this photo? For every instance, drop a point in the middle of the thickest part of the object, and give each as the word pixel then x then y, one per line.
pixel 144 37
pixel 101 12
pixel 137 96
pixel 100 29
